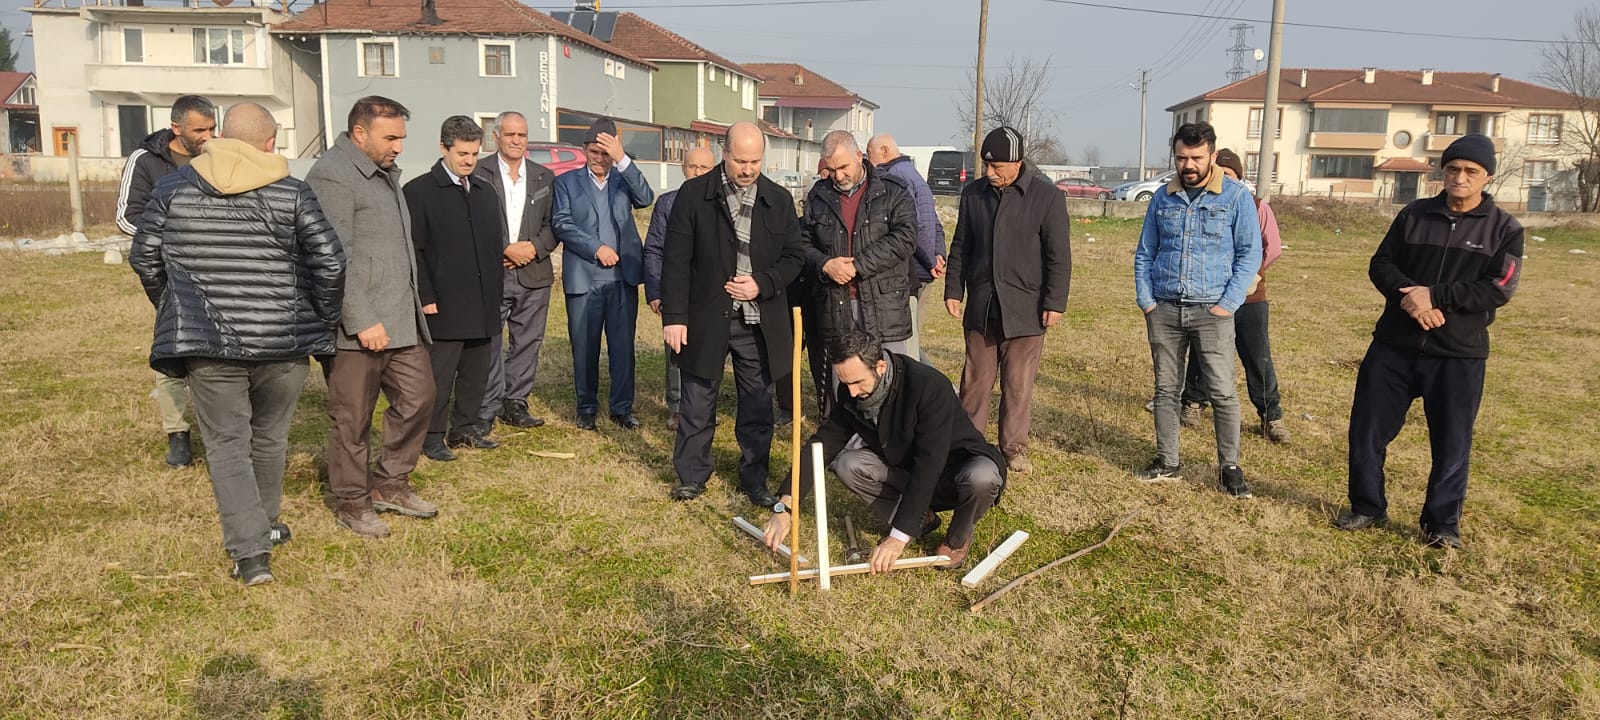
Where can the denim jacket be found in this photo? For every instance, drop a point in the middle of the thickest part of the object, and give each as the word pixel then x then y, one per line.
pixel 1203 251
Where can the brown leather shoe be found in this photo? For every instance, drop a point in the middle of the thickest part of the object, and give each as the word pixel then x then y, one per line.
pixel 958 556
pixel 402 500
pixel 361 520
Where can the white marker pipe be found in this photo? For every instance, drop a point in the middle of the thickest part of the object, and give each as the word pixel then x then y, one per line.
pixel 820 485
pixel 755 532
pixel 981 572
pixel 857 569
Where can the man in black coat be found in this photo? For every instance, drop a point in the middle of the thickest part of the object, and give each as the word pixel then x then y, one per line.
pixel 524 190
pixel 860 229
pixel 247 277
pixel 1011 259
pixel 733 245
pixel 457 228
pixel 919 454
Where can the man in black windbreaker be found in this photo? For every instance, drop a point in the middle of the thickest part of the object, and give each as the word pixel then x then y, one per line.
pixel 247 278
pixel 1444 267
pixel 194 121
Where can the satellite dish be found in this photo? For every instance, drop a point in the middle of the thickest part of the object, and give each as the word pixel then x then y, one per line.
pixel 1260 55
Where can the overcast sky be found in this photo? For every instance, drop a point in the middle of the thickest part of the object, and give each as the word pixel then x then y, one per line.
pixel 910 56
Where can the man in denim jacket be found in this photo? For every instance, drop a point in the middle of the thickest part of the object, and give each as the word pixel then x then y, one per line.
pixel 1199 248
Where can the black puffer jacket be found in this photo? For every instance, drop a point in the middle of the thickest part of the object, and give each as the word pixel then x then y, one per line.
pixel 885 238
pixel 255 275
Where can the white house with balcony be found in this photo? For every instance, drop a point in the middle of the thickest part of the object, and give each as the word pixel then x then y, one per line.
pixel 1378 134
pixel 803 103
pixel 109 73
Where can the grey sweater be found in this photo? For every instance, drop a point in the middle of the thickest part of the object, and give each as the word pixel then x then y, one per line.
pixel 368 212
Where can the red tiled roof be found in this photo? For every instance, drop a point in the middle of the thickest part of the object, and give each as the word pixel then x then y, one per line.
pixel 1390 86
pixel 775 131
pixel 649 40
pixel 1403 164
pixel 778 80
pixel 9 82
pixel 461 17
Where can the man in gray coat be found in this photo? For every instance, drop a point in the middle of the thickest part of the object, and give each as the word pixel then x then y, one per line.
pixel 523 187
pixel 382 330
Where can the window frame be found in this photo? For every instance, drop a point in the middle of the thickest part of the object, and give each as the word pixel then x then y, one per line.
pixel 1528 178
pixel 1324 173
pixel 1319 117
pixel 205 32
pixel 140 31
pixel 483 57
pixel 1553 136
pixel 361 56
pixel 1254 120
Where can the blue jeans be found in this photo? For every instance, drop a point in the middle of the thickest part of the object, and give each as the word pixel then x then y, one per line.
pixel 1174 330
pixel 613 309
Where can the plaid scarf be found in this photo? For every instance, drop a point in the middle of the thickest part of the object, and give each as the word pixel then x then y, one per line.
pixel 741 205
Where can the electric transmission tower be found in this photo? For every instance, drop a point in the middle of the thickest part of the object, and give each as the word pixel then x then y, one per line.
pixel 1241 52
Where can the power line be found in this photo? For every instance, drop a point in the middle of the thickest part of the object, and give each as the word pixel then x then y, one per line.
pixel 1319 26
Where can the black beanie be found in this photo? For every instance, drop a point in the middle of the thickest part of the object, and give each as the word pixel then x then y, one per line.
pixel 1474 147
pixel 603 125
pixel 1002 144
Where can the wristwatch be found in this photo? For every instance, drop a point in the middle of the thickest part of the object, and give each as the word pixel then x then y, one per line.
pixel 779 507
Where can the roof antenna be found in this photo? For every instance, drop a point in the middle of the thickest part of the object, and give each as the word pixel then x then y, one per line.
pixel 430 14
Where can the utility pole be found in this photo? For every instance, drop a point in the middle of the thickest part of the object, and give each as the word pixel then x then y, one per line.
pixel 1144 92
pixel 977 111
pixel 74 189
pixel 1265 158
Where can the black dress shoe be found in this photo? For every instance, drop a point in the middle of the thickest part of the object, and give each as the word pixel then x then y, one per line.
pixel 688 492
pixel 1442 539
pixel 627 422
pixel 762 498
pixel 178 452
pixel 515 414
pixel 435 450
pixel 586 422
pixel 1352 520
pixel 471 440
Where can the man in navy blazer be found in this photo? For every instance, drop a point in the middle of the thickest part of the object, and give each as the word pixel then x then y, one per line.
pixel 602 265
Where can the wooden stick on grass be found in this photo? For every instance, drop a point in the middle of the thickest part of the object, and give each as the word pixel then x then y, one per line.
pixel 794 465
pixel 1014 584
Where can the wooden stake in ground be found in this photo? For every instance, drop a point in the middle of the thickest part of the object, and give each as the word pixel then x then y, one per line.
pixel 794 466
pixel 994 559
pixel 1014 584
pixel 820 490
pixel 903 564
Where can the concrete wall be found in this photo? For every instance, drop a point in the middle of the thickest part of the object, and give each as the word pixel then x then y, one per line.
pixel 63 99
pixel 724 97
pixel 582 84
pixel 675 89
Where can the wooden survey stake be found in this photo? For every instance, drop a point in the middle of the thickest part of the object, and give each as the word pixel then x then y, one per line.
pixel 794 465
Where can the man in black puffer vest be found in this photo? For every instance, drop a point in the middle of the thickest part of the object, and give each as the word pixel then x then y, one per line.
pixel 247 278
pixel 1447 264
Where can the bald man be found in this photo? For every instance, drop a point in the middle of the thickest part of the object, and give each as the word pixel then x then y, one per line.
pixel 732 248
pixel 927 262
pixel 247 278
pixel 698 161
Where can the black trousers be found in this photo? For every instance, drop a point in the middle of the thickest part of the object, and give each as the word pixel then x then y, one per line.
pixel 1251 340
pixel 752 376
pixel 816 356
pixel 461 366
pixel 1451 389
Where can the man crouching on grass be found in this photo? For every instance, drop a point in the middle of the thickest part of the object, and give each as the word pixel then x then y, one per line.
pixel 247 278
pixel 919 454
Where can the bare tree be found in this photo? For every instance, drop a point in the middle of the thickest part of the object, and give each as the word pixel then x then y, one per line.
pixel 1014 95
pixel 1573 66
pixel 1091 155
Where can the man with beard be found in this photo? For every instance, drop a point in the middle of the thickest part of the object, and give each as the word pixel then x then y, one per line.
pixel 194 121
pixel 1197 255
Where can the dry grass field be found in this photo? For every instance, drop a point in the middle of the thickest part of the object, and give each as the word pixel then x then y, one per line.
pixel 574 589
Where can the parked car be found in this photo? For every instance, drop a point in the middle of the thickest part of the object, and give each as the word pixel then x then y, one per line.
pixel 948 172
pixel 557 157
pixel 1144 190
pixel 1081 188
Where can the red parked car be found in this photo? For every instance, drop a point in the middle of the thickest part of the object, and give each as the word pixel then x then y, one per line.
pixel 558 157
pixel 1078 187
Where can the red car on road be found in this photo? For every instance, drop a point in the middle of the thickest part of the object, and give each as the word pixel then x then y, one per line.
pixel 1079 187
pixel 558 157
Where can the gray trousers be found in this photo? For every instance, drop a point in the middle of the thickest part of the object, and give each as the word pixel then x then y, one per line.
pixel 1173 330
pixel 970 491
pixel 244 410
pixel 514 363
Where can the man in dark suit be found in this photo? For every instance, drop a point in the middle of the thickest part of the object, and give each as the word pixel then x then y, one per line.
pixel 733 246
pixel 455 225
pixel 602 264
pixel 920 455
pixel 526 197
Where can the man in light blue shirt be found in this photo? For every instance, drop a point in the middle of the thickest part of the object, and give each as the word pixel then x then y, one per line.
pixel 1196 259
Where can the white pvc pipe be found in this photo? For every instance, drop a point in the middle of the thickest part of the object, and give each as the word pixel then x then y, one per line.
pixel 981 572
pixel 755 532
pixel 820 484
